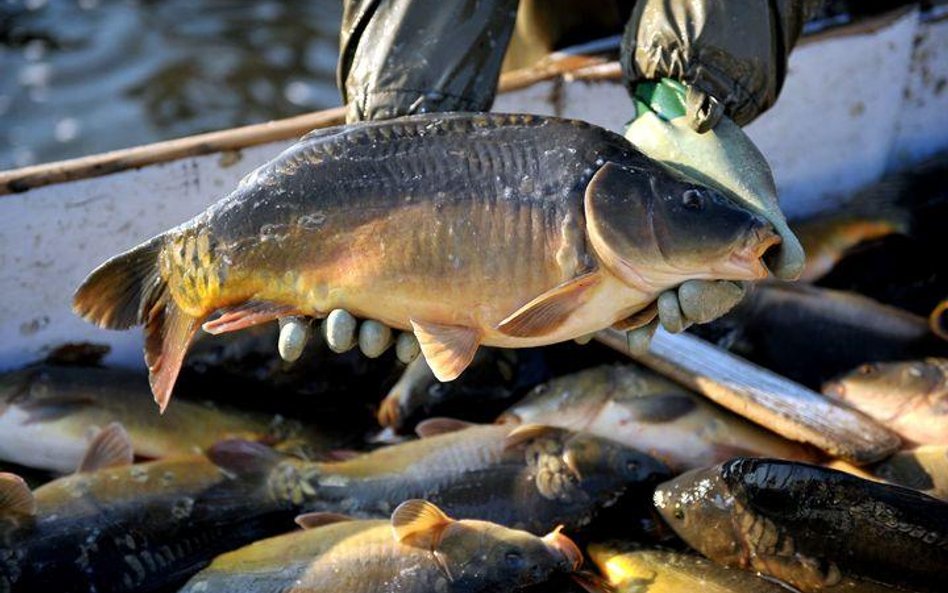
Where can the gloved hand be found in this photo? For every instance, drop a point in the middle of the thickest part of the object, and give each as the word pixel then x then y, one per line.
pixel 731 59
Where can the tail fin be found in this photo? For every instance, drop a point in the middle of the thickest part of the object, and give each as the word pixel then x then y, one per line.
pixel 127 290
pixel 117 294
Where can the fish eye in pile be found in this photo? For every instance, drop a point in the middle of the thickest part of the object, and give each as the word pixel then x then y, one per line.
pixel 693 199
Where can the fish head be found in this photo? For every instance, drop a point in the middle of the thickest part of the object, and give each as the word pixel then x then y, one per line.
pixel 884 389
pixel 698 505
pixel 654 228
pixel 571 401
pixel 603 466
pixel 508 558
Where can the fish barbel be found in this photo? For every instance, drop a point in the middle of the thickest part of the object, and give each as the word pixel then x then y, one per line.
pixel 467 229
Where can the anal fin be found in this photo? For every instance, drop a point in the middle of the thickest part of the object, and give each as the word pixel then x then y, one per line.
pixel 448 349
pixel 551 309
pixel 247 315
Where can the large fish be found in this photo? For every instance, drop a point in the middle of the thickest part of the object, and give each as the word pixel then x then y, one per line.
pixel 48 413
pixel 530 477
pixel 127 528
pixel 909 397
pixel 420 550
pixel 642 410
pixel 809 526
pixel 467 229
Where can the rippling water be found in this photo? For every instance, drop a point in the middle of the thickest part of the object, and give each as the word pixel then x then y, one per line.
pixel 84 76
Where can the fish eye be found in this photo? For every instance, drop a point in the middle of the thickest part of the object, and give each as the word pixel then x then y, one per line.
pixel 631 466
pixel 693 199
pixel 679 514
pixel 514 559
pixel 866 369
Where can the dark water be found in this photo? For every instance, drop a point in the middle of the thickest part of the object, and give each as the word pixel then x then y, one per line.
pixel 85 76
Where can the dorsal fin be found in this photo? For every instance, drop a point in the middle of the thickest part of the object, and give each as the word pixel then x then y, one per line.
pixel 314 520
pixel 435 426
pixel 243 458
pixel 551 309
pixel 419 523
pixel 16 500
pixel 111 447
pixel 528 432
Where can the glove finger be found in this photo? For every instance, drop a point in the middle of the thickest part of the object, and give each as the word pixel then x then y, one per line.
pixel 339 329
pixel 702 110
pixel 406 347
pixel 295 332
pixel 374 338
pixel 638 339
pixel 669 312
pixel 704 300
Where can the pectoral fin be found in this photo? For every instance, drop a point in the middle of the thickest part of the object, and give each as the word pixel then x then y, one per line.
pixel 638 319
pixel 112 447
pixel 419 523
pixel 314 520
pixel 16 500
pixel 448 349
pixel 431 427
pixel 551 309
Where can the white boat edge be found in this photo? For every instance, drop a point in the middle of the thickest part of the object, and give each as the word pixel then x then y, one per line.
pixel 858 101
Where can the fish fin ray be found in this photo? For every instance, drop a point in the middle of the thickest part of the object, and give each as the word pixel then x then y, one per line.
pixel 242 457
pixel 15 497
pixel 247 315
pixel 314 520
pixel 448 349
pixel 434 426
pixel 419 523
pixel 117 293
pixel 551 309
pixel 111 447
pixel 528 432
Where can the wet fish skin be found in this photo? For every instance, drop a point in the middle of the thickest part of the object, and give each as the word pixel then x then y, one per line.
pixel 552 477
pixel 48 412
pixel 809 526
pixel 909 397
pixel 636 407
pixel 362 556
pixel 133 529
pixel 500 230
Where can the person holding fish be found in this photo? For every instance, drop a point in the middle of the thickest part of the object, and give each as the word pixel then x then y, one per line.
pixel 470 228
pixel 402 57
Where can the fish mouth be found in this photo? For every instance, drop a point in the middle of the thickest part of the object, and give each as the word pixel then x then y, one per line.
pixel 564 547
pixel 747 262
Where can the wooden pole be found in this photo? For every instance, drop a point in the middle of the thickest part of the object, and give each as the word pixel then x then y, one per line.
pixel 762 396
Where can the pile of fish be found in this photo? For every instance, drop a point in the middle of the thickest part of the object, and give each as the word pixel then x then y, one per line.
pixel 555 467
